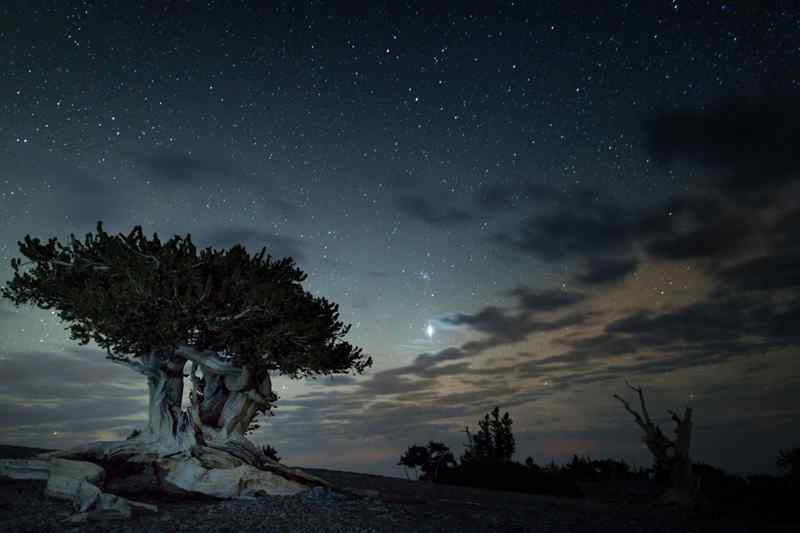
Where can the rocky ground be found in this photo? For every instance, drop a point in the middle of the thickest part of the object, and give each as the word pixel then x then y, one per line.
pixel 376 504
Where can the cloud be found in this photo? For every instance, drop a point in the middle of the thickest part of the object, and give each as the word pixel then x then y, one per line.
pixel 726 236
pixel 746 154
pixel 335 380
pixel 580 224
pixel 493 321
pixel 752 145
pixel 607 239
pixel 606 270
pixel 47 388
pixel 500 327
pixel 765 273
pixel 717 319
pixel 504 328
pixel 700 334
pixel 254 239
pixel 436 215
pixel 548 300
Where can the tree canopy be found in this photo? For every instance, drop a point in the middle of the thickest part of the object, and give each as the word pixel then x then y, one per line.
pixel 133 296
pixel 493 442
pixel 430 459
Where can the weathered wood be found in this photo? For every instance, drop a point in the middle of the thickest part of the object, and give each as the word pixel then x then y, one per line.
pixel 24 468
pixel 673 455
pixel 74 481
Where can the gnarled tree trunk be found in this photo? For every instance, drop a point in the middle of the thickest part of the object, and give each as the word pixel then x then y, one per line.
pixel 669 454
pixel 203 448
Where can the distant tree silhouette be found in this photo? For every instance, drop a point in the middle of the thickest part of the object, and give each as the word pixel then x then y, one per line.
pixel 414 457
pixel 440 458
pixel 504 443
pixel 493 442
pixel 431 460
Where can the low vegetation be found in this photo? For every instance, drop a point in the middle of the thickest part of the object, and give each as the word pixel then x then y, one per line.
pixel 487 463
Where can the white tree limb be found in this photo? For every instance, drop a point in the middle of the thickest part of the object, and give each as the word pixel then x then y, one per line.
pixel 209 359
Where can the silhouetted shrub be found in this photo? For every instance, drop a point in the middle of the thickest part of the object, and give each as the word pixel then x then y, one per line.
pixel 433 460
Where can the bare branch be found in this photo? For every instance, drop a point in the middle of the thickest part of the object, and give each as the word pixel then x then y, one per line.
pixel 675 416
pixel 638 390
pixel 631 411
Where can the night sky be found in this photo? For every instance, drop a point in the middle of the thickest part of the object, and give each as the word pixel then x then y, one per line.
pixel 513 205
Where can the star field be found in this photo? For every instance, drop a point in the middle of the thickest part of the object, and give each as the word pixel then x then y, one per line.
pixel 516 205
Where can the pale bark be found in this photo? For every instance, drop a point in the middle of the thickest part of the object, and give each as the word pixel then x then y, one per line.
pixel 224 398
pixel 186 447
pixel 673 455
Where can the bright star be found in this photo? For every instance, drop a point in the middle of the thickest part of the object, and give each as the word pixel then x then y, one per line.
pixel 429 330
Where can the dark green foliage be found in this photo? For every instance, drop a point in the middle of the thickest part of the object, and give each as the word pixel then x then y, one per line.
pixel 271 452
pixel 432 459
pixel 494 441
pixel 133 295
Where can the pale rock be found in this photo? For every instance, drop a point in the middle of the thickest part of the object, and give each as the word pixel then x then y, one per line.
pixel 117 504
pixel 82 493
pixel 243 481
pixel 74 481
pixel 86 496
pixel 25 468
pixel 76 469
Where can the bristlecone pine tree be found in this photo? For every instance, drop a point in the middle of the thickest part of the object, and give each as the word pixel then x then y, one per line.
pixel 670 455
pixel 227 318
